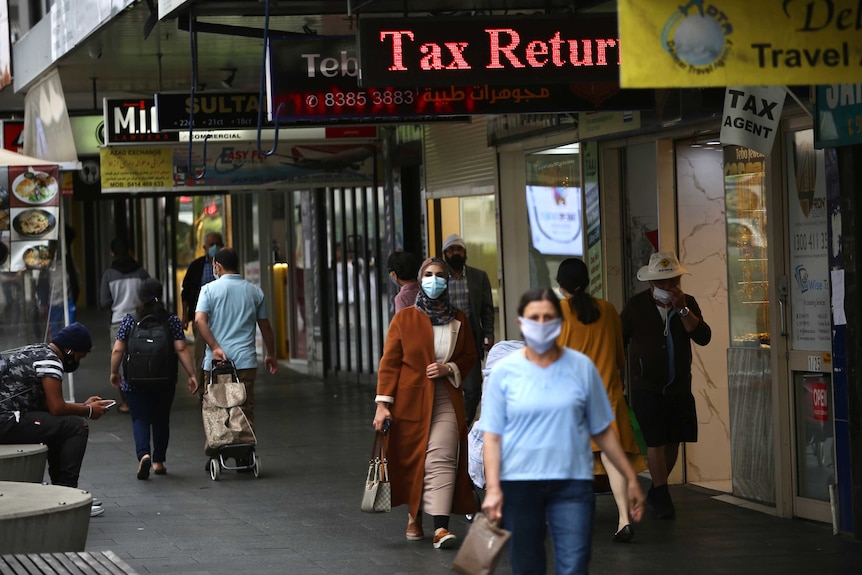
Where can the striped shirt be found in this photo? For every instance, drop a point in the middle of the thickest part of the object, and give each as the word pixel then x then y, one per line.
pixel 21 379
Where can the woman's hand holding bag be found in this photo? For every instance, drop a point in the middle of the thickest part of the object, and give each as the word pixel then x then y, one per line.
pixel 377 497
pixel 481 549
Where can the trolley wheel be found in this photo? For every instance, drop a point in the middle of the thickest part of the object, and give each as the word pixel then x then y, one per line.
pixel 215 469
pixel 257 466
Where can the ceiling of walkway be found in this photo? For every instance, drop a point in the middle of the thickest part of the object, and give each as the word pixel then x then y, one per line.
pixel 117 61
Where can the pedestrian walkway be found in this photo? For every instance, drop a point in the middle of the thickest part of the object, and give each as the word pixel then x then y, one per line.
pixel 302 515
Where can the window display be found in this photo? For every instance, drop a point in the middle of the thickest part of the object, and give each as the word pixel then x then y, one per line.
pixel 554 206
pixel 747 259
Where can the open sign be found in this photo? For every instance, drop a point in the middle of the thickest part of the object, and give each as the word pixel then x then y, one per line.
pixel 819 401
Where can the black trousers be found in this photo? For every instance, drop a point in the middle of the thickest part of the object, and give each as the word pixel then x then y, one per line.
pixel 64 435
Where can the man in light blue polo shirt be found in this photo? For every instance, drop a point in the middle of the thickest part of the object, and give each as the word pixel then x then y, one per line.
pixel 228 312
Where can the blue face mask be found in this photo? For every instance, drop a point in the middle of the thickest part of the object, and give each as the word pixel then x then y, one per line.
pixel 541 335
pixel 212 251
pixel 434 286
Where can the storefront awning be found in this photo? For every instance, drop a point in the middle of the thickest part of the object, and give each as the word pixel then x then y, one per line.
pixel 47 129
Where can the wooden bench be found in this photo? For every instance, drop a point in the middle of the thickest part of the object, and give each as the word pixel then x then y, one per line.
pixel 23 462
pixel 102 562
pixel 37 518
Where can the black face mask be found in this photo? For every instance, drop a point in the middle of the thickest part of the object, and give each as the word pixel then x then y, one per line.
pixel 456 262
pixel 70 364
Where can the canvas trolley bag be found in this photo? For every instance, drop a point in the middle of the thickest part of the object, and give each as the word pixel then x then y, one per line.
pixel 225 423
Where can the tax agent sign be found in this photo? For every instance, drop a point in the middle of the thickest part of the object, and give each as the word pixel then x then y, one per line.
pixel 315 79
pixel 508 50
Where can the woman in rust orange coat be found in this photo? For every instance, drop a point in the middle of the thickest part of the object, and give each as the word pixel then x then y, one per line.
pixel 429 347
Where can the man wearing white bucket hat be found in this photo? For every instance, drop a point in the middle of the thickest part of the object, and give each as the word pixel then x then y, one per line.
pixel 658 326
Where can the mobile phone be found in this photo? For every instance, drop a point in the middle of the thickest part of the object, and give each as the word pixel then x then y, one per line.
pixel 110 405
pixel 386 424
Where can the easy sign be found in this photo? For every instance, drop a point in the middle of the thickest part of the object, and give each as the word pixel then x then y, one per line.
pixel 495 51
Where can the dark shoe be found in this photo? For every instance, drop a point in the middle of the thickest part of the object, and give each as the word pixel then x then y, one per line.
pixel 144 467
pixel 160 470
pixel 662 503
pixel 624 535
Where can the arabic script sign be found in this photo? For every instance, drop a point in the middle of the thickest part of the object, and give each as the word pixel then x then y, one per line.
pixel 509 50
pixel 668 43
pixel 136 167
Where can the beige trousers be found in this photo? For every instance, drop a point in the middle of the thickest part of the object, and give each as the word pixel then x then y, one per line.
pixel 441 457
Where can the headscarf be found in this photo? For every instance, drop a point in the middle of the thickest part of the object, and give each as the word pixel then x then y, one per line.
pixel 439 310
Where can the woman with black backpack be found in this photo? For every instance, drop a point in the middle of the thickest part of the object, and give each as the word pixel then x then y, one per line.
pixel 148 349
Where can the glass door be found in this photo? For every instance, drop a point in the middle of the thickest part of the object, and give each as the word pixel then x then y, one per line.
pixel 808 325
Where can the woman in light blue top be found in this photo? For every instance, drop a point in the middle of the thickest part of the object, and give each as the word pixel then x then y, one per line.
pixel 540 408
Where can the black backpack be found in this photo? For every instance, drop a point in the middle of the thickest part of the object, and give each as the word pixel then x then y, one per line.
pixel 150 362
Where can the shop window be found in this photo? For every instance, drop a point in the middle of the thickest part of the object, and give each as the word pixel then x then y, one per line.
pixel 747 261
pixel 554 206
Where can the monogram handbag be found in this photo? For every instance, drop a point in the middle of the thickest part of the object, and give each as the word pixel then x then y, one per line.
pixel 377 497
pixel 482 547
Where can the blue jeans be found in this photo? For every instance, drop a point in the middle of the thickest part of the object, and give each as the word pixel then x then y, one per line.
pixel 151 412
pixel 566 507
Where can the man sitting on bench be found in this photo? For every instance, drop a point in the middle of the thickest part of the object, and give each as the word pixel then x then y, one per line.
pixel 32 407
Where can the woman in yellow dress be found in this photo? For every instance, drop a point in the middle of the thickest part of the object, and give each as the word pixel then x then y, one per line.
pixel 593 327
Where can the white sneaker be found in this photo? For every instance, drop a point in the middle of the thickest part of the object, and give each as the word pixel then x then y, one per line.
pixel 96 510
pixel 97 502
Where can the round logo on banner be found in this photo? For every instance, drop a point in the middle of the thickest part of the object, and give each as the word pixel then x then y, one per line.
pixel 697 37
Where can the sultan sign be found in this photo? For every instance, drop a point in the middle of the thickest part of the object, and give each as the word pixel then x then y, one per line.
pixel 668 43
pixel 493 51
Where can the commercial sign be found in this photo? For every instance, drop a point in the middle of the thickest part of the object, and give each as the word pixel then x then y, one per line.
pixel 133 121
pixel 751 116
pixel 211 111
pixel 316 79
pixel 668 44
pixel 593 216
pixel 507 50
pixel 839 115
pixel 136 168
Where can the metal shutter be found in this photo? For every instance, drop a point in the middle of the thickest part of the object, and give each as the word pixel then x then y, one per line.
pixel 458 161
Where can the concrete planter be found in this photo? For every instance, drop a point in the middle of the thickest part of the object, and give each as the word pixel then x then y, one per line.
pixel 23 462
pixel 36 518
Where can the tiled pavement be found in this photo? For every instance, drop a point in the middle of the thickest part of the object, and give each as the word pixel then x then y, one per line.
pixel 302 516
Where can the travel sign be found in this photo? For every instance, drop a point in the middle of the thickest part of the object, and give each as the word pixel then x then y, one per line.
pixel 507 50
pixel 674 44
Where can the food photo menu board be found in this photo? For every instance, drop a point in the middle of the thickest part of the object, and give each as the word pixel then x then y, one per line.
pixel 29 216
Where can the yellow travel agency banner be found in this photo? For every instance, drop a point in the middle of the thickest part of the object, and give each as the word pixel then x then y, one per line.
pixel 677 44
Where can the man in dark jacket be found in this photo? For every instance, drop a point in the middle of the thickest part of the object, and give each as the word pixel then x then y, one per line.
pixel 198 274
pixel 470 291
pixel 658 326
